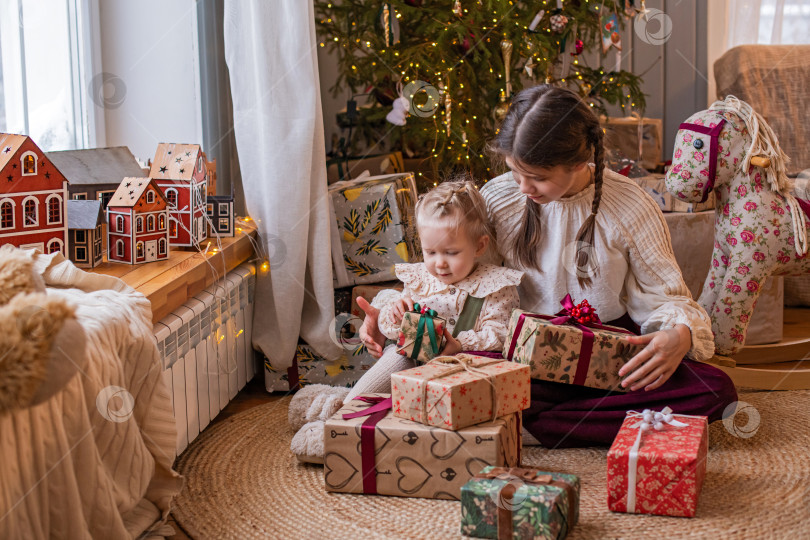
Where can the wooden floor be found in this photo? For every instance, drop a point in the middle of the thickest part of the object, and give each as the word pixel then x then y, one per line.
pixel 252 395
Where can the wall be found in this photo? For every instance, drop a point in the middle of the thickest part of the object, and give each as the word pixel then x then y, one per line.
pixel 150 59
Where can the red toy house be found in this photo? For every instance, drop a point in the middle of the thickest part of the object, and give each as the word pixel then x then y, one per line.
pixel 32 197
pixel 137 223
pixel 180 171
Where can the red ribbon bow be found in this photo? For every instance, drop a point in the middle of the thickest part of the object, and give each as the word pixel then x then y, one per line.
pixel 378 409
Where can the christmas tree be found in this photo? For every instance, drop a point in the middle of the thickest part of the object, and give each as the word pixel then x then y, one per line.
pixel 457 62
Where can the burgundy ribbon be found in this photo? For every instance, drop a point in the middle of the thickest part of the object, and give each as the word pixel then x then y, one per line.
pixel 377 411
pixel 714 135
pixel 805 206
pixel 565 317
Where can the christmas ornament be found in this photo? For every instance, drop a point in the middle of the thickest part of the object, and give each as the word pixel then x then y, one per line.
pixel 506 51
pixel 610 32
pixel 579 46
pixel 558 23
pixel 501 108
pixel 643 12
pixel 448 107
pixel 457 8
pixel 399 113
pixel 536 20
pixel 414 3
pixel 389 24
pixel 529 67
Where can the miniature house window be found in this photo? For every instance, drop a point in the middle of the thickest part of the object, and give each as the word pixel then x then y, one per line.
pixel 54 209
pixel 150 223
pixel 224 224
pixel 150 196
pixel 162 247
pixel 139 250
pixel 162 223
pixel 30 218
pixel 119 248
pixel 80 196
pixel 81 254
pixel 171 197
pixel 80 236
pixel 223 209
pixel 54 246
pixel 119 223
pixel 139 224
pixel 200 164
pixel 173 228
pixel 6 214
pixel 29 163
pixel 209 209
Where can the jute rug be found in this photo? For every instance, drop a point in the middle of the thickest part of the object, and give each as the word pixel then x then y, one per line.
pixel 242 482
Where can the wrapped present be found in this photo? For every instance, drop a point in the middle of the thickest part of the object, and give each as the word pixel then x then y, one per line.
pixel 573 347
pixel 343 300
pixel 368 292
pixel 453 392
pixel 638 138
pixel 655 186
pixel 348 168
pixel 657 463
pixel 368 450
pixel 310 368
pixel 421 334
pixel 373 228
pixel 519 503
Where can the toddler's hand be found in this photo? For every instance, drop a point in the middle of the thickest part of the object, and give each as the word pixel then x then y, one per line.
pixel 452 345
pixel 400 307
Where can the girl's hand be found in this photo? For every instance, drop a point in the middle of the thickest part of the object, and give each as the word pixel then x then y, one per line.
pixel 662 355
pixel 400 307
pixel 370 333
pixel 452 346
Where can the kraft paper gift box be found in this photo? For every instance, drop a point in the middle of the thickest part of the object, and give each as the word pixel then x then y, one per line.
pixel 631 134
pixel 655 186
pixel 373 228
pixel 309 367
pixel 368 292
pixel 378 454
pixel 351 167
pixel 658 469
pixel 519 503
pixel 421 335
pixel 567 353
pixel 453 392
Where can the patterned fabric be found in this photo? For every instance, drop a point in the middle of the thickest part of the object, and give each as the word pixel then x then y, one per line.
pixel 497 285
pixel 638 273
pixel 753 236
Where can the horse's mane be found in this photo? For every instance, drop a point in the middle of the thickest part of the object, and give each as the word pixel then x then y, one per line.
pixel 764 142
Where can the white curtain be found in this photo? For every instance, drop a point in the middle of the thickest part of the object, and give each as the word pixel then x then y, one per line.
pixel 271 56
pixel 764 22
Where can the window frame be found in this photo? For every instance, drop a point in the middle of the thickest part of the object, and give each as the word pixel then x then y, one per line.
pixel 28 199
pixel 3 202
pixel 60 204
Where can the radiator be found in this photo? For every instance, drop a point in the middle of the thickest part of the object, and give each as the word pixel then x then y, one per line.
pixel 206 349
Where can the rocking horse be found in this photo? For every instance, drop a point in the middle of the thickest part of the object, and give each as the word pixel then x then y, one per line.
pixel 760 225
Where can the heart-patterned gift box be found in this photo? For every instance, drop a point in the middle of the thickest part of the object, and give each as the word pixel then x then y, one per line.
pixel 403 458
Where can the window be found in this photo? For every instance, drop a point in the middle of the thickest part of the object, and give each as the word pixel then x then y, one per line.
pixel 224 209
pixel 162 222
pixel 139 250
pixel 162 246
pixel 150 196
pixel 81 254
pixel 54 209
pixel 55 246
pixel 104 197
pixel 7 214
pixel 80 196
pixel 119 224
pixel 200 164
pixel 30 218
pixel 224 224
pixel 46 74
pixel 139 224
pixel 150 223
pixel 119 248
pixel 29 163
pixel 80 236
pixel 172 228
pixel 171 197
pixel 209 209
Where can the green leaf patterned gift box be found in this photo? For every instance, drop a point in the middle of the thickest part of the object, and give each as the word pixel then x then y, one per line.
pixel 373 227
pixel 502 503
pixel 421 335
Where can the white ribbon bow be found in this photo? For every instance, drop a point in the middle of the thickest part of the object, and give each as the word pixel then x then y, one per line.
pixel 649 419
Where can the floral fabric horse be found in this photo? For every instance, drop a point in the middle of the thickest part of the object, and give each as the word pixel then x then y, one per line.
pixel 760 226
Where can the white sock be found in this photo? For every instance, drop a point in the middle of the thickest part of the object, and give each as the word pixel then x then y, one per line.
pixel 377 380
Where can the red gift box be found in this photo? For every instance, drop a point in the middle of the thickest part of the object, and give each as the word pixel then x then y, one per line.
pixel 658 469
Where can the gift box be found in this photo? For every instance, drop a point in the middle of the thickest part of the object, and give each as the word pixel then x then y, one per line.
pixel 348 168
pixel 421 334
pixel 373 228
pixel 343 300
pixel 655 186
pixel 368 450
pixel 310 368
pixel 561 349
pixel 638 138
pixel 657 463
pixel 453 392
pixel 519 503
pixel 368 292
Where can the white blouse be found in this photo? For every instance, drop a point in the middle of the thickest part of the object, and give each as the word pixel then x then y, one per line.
pixel 637 271
pixel 495 284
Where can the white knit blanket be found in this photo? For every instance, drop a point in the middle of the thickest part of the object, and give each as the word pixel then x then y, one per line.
pixel 92 462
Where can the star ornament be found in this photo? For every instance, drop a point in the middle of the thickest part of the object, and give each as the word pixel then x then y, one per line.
pixel 530 66
pixel 643 12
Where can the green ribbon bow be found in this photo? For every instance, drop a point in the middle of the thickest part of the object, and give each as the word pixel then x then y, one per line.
pixel 425 322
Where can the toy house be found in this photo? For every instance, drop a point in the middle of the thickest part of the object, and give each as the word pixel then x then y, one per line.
pixel 180 171
pixel 85 219
pixel 96 173
pixel 32 197
pixel 137 223
pixel 220 214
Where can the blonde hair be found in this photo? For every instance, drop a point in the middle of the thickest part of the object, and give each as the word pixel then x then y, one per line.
pixel 456 204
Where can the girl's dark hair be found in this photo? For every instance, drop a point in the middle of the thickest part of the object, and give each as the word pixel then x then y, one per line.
pixel 547 126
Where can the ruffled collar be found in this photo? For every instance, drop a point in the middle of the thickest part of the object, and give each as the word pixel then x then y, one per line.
pixel 483 281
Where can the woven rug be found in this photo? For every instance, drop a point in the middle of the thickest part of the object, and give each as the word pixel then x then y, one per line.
pixel 242 482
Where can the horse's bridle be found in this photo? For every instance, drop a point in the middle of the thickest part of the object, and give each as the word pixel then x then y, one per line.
pixel 714 135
